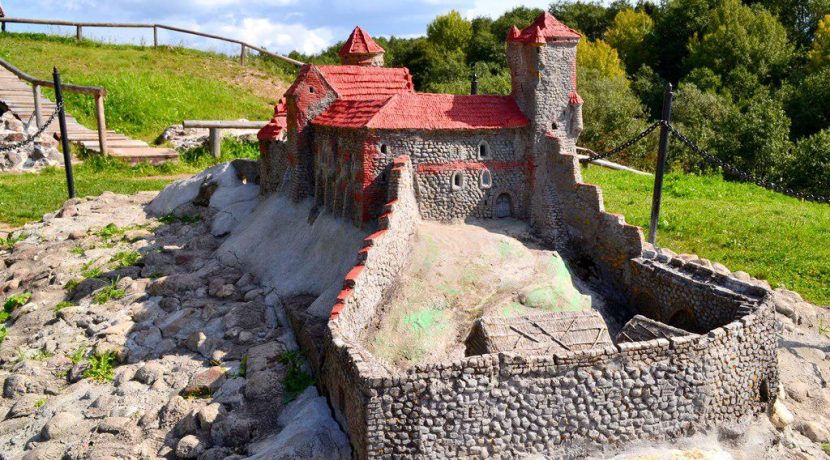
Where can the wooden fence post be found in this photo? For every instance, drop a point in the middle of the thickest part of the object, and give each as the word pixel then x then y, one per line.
pixel 242 53
pixel 79 33
pixel 102 123
pixel 215 142
pixel 155 37
pixel 38 117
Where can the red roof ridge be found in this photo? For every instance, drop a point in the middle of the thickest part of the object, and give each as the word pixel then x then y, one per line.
pixel 359 42
pixel 546 26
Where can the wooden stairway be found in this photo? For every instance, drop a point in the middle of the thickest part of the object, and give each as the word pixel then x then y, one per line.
pixel 19 98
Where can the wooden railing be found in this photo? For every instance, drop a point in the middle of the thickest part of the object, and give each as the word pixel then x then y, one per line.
pixel 79 31
pixel 215 130
pixel 97 92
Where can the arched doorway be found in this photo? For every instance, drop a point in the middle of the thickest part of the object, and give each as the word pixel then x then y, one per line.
pixel 503 206
pixel 684 319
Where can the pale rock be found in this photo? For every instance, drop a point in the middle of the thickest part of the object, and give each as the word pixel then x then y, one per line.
pixel 781 417
pixel 189 447
pixel 206 382
pixel 61 425
pixel 814 431
pixel 209 415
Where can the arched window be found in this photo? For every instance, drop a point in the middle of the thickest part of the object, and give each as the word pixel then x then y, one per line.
pixel 486 179
pixel 384 149
pixel 458 180
pixel 311 89
pixel 483 151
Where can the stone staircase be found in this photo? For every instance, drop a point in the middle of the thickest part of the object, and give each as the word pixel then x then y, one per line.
pixel 18 97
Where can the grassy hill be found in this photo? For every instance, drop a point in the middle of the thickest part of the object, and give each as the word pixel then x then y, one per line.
pixel 150 88
pixel 743 226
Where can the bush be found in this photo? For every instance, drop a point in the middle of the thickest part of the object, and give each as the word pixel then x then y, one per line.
pixel 809 169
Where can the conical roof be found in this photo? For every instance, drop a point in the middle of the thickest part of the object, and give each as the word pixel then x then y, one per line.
pixel 359 43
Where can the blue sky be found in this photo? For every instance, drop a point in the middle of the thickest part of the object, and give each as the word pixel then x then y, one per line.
pixel 280 25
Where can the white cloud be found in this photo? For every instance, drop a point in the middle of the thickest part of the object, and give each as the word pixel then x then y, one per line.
pixel 275 36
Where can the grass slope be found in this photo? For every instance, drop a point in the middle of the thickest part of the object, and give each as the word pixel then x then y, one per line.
pixel 150 88
pixel 27 197
pixel 745 227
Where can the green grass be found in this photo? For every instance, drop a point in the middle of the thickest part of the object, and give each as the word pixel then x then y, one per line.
pixel 768 235
pixel 12 239
pixel 27 197
pixel 40 402
pixel 296 380
pixel 149 88
pixel 101 367
pixel 63 304
pixel 109 292
pixel 125 259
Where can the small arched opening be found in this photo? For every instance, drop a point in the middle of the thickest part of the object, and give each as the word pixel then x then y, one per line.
pixel 457 180
pixel 763 391
pixel 503 206
pixel 483 151
pixel 384 149
pixel 486 179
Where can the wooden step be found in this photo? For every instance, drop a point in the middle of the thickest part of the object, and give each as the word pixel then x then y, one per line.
pixel 111 143
pixel 148 154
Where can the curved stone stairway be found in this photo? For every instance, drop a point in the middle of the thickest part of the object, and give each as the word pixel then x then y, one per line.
pixel 17 96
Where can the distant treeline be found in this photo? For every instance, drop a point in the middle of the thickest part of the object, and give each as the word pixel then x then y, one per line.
pixel 752 79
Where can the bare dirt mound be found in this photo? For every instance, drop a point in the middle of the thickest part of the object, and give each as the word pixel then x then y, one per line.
pixel 461 272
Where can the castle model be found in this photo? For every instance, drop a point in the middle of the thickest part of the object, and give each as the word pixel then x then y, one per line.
pixel 698 345
pixel 474 155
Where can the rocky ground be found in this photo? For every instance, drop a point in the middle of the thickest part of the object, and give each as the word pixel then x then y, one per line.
pixel 43 152
pixel 126 338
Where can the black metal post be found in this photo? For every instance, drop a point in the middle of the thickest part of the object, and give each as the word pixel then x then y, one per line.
pixel 474 84
pixel 67 152
pixel 661 164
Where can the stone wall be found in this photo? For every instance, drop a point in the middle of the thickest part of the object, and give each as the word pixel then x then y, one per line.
pixel 449 170
pixel 507 404
pixel 345 363
pixel 273 165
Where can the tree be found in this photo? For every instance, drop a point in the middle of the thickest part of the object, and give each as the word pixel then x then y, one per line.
pixel 589 17
pixel 450 31
pixel 674 24
pixel 756 137
pixel 699 114
pixel 484 46
pixel 612 112
pixel 807 102
pixel 520 17
pixel 799 17
pixel 819 54
pixel 629 33
pixel 738 36
pixel 601 57
pixel 810 167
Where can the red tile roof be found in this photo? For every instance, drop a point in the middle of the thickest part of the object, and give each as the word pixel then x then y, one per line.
pixel 359 42
pixel 425 111
pixel 545 26
pixel 274 128
pixel 359 82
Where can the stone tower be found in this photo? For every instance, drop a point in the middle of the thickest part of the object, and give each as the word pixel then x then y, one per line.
pixel 542 59
pixel 361 50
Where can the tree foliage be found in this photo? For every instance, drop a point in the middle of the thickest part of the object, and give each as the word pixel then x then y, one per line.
pixel 450 31
pixel 819 54
pixel 589 17
pixel 629 34
pixel 737 36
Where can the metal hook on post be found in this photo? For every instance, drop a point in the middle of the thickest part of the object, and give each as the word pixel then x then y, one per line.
pixel 67 152
pixel 665 119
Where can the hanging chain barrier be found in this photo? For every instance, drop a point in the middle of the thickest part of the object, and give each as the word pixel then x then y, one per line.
pixel 31 139
pixel 625 145
pixel 744 176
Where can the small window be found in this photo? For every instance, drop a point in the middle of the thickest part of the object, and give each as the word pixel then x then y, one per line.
pixel 311 89
pixel 384 149
pixel 554 125
pixel 483 151
pixel 486 179
pixel 457 180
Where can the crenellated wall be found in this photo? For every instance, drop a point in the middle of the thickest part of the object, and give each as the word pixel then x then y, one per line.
pixel 507 404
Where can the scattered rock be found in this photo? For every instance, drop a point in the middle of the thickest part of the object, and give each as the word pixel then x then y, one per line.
pixel 189 447
pixel 206 382
pixel 781 417
pixel 61 425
